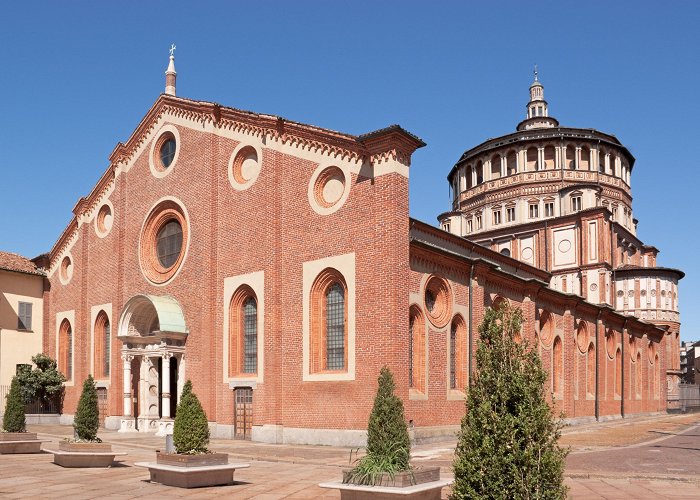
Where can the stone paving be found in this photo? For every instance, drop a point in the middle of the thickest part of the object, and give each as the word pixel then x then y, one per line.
pixel 653 457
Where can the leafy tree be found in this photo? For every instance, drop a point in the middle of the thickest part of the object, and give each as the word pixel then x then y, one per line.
pixel 507 446
pixel 42 383
pixel 87 417
pixel 13 420
pixel 191 431
pixel 388 444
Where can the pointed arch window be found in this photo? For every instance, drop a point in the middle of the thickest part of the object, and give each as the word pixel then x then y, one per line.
pixel 458 354
pixel 557 368
pixel 416 349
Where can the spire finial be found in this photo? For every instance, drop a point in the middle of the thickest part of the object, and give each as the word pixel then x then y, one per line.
pixel 170 73
pixel 533 71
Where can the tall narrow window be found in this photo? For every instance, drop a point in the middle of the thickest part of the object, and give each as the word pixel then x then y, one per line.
pixel 510 214
pixel 107 348
pixel 549 209
pixel 335 327
pixel 453 357
pixel 478 222
pixel 416 349
pixel 469 226
pixel 590 376
pixel 328 342
pixel 243 333
pixel 65 349
pixel 496 217
pixel 250 341
pixel 102 346
pixel 638 370
pixel 618 373
pixel 534 211
pixel 458 354
pixel 557 368
pixel 576 204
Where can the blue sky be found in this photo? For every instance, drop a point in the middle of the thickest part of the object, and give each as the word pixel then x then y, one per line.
pixel 77 77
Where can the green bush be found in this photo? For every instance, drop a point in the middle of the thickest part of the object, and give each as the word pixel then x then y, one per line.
pixel 388 444
pixel 191 431
pixel 87 417
pixel 13 420
pixel 507 446
pixel 43 382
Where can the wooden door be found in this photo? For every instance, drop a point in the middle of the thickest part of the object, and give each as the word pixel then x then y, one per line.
pixel 242 412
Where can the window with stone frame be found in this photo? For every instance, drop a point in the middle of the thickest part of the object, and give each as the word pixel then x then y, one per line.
pixel 576 203
pixel 549 209
pixel 478 222
pixel 496 217
pixel 534 210
pixel 65 349
pixel 510 214
pixel 416 349
pixel 469 226
pixel 102 344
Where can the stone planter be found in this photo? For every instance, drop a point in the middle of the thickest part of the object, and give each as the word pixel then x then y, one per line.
pixel 83 454
pixel 192 471
pixel 19 442
pixel 418 484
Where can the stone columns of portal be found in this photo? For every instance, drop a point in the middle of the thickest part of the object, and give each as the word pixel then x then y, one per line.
pixel 165 386
pixel 126 358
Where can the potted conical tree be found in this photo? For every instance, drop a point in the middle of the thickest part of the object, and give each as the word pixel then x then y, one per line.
pixel 14 437
pixel 385 470
pixel 193 464
pixel 85 449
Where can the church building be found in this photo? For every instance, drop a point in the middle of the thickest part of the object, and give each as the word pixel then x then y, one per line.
pixel 275 265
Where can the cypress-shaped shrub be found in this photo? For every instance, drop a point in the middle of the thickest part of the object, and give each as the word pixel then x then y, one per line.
pixel 388 444
pixel 13 420
pixel 87 417
pixel 507 446
pixel 191 431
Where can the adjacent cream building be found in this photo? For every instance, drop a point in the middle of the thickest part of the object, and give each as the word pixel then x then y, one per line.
pixel 21 316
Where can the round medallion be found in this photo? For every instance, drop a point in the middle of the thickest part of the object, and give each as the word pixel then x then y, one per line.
pixel 244 167
pixel 564 246
pixel 526 253
pixel 438 301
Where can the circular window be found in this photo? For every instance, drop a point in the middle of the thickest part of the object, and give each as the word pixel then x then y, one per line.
pixel 65 273
pixel 165 150
pixel 505 251
pixel 438 301
pixel 104 220
pixel 163 242
pixel 328 189
pixel 644 293
pixel 244 166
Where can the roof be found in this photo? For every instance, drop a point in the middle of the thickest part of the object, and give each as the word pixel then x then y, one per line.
pixel 649 270
pixel 17 263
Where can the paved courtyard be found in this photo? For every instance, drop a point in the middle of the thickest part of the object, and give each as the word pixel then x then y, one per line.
pixel 653 457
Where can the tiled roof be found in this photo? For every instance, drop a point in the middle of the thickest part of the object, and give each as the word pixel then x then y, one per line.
pixel 14 262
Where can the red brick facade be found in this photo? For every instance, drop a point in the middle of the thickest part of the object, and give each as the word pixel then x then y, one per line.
pixel 269 218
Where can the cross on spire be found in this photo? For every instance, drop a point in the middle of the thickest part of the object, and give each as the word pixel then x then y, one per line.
pixel 172 49
pixel 533 71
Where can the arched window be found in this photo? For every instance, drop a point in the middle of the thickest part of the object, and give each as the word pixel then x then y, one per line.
pixel 416 349
pixel 458 354
pixel 65 349
pixel 243 333
pixel 570 157
pixel 557 368
pixel 590 367
pixel 511 162
pixel 549 155
pixel 585 161
pixel 479 173
pixel 329 310
pixel 102 343
pixel 638 375
pixel 657 378
pixel 618 373
pixel 495 167
pixel 531 160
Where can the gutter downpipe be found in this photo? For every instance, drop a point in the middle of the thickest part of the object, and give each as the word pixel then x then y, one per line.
pixel 471 329
pixel 597 363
